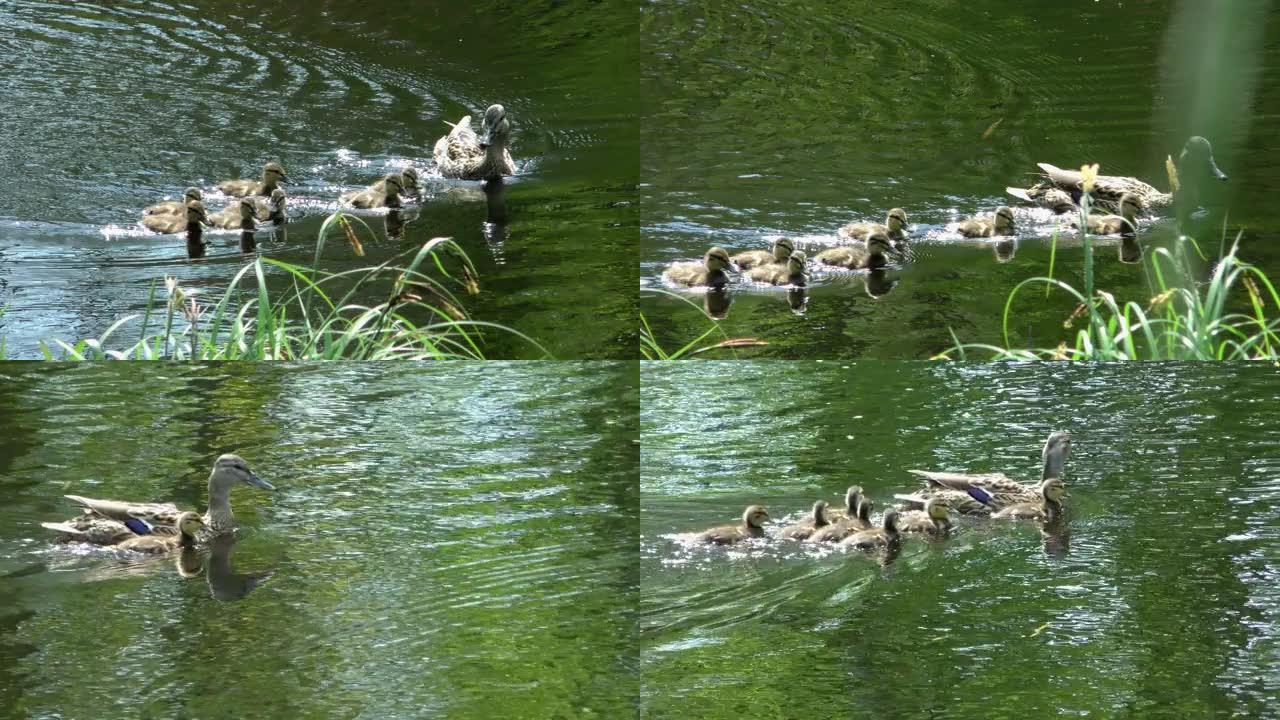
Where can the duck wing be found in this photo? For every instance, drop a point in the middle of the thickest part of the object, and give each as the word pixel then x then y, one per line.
pixel 153 513
pixel 963 481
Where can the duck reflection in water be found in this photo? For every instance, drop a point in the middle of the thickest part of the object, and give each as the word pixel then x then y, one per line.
pixel 1005 249
pixel 1055 535
pixel 395 220
pixel 716 302
pixel 1130 250
pixel 798 299
pixel 225 584
pixel 248 243
pixel 496 232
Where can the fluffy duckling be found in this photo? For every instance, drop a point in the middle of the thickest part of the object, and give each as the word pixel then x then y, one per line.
pixel 175 207
pixel 409 179
pixel 934 520
pixel 384 193
pixel 752 526
pixel 999 224
pixel 778 254
pixel 241 214
pixel 856 257
pixel 271 208
pixel 850 509
pixel 189 525
pixel 190 221
pixel 790 274
pixel 1126 223
pixel 272 176
pixel 710 272
pixel 843 528
pixel 876 538
pixel 803 529
pixel 464 156
pixel 1049 507
pixel 895 226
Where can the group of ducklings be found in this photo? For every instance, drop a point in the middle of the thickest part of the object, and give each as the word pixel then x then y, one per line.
pixel 461 154
pixel 1119 200
pixel 157 528
pixel 926 512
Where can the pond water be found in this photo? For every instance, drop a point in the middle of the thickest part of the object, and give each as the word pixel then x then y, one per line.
pixel 1159 599
pixel 111 106
pixel 789 118
pixel 447 541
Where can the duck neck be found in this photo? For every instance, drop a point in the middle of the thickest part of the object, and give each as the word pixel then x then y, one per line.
pixel 220 516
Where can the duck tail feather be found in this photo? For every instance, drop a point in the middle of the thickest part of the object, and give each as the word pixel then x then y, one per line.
pixel 61 527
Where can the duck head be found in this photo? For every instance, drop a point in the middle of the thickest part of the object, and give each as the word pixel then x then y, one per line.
pixel 495 128
pixel 1056 451
pixel 230 470
pixel 878 245
pixel 248 213
pixel 409 179
pixel 189 523
pixel 795 263
pixel 755 516
pixel 717 258
pixel 196 213
pixel 192 193
pixel 1197 156
pixel 1053 490
pixel 864 510
pixel 851 498
pixel 820 512
pixel 937 509
pixel 782 249
pixel 1130 207
pixel 890 521
pixel 277 200
pixel 1004 220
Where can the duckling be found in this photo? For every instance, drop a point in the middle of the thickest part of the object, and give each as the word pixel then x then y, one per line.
pixel 241 214
pixel 778 253
pixel 850 509
pixel 790 274
pixel 270 208
pixel 856 257
pixel 805 528
pixel 462 155
pixel 710 272
pixel 844 527
pixel 229 470
pixel 272 176
pixel 191 221
pixel 175 207
pixel 895 226
pixel 1048 507
pixel 409 179
pixel 1000 224
pixel 876 538
pixel 188 524
pixel 934 520
pixel 752 526
pixel 1126 223
pixel 384 193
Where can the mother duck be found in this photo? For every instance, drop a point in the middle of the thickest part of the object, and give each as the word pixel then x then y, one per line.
pixel 465 156
pixel 105 522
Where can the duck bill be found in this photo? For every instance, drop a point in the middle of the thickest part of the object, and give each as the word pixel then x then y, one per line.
pixel 258 482
pixel 1216 172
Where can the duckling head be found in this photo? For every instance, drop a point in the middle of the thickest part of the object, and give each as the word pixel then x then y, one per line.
pixel 231 469
pixel 1198 151
pixel 897 220
pixel 717 258
pixel 864 510
pixel 879 244
pixel 782 249
pixel 495 128
pixel 937 509
pixel 189 523
pixel 277 199
pixel 755 516
pixel 1130 206
pixel 192 193
pixel 820 511
pixel 276 170
pixel 1004 219
pixel 795 263
pixel 409 178
pixel 196 212
pixel 851 498
pixel 1056 451
pixel 1053 490
pixel 394 180
pixel 890 521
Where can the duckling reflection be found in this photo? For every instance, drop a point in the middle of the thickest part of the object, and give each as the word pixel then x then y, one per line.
pixel 1005 249
pixel 1055 536
pixel 798 299
pixel 495 229
pixel 248 243
pixel 879 283
pixel 1130 250
pixel 225 583
pixel 395 220
pixel 716 302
